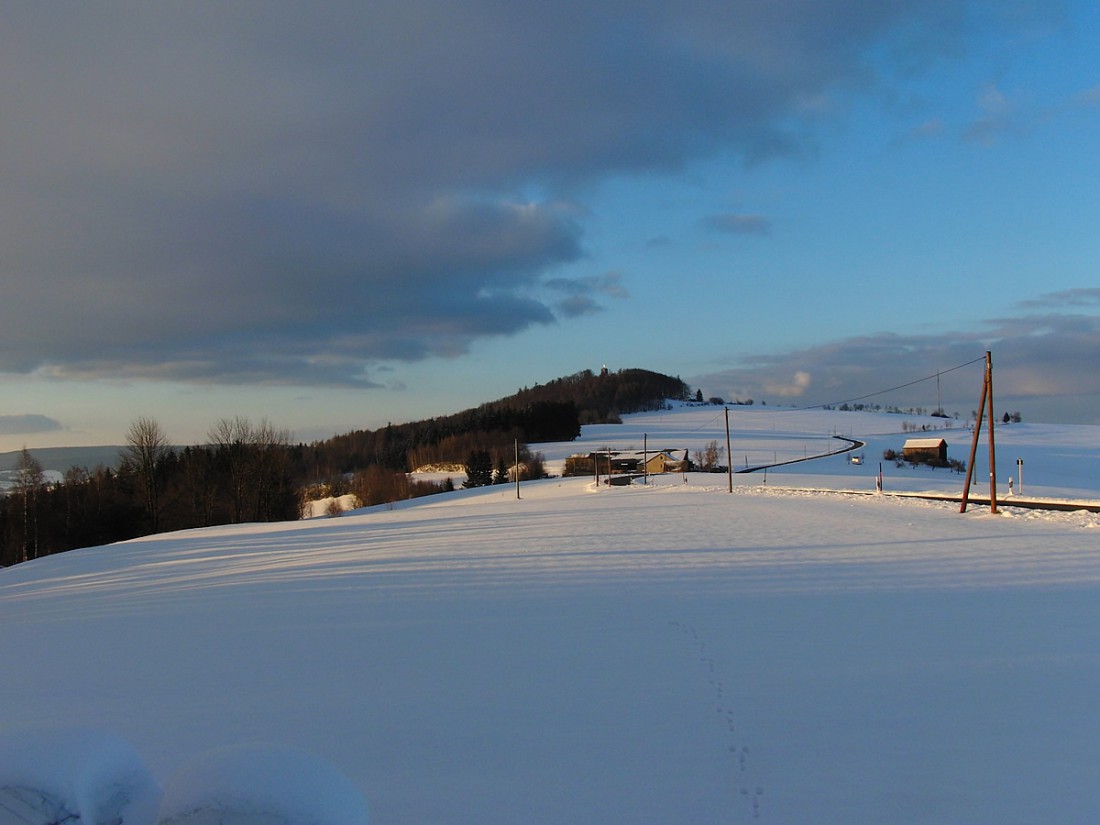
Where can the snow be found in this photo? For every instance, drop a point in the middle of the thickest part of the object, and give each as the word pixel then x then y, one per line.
pixel 329 506
pixel 56 773
pixel 657 653
pixel 267 784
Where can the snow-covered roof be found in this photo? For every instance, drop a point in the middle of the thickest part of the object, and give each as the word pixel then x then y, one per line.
pixel 926 443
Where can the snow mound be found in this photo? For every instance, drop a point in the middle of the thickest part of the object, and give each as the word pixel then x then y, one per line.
pixel 51 776
pixel 249 785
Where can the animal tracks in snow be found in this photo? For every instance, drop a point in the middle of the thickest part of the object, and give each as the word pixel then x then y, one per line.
pixel 738 751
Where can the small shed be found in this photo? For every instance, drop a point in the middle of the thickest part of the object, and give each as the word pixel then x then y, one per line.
pixel 931 451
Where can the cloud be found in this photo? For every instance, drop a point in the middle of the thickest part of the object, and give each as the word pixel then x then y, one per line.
pixel 1080 297
pixel 28 424
pixel 582 294
pixel 1000 115
pixel 1044 364
pixel 281 192
pixel 931 128
pixel 1005 116
pixel 1087 98
pixel 737 224
pixel 794 388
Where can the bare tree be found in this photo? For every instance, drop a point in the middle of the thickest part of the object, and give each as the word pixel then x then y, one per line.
pixel 269 469
pixel 146 448
pixel 29 481
pixel 231 438
pixel 708 457
pixel 256 459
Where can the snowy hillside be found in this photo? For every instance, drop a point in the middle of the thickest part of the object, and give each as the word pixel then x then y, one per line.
pixel 667 653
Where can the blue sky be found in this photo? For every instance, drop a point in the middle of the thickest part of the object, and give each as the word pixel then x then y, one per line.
pixel 345 214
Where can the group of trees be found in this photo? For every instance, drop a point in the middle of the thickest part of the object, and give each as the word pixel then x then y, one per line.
pixel 709 459
pixel 246 472
pixel 251 472
pixel 404 447
pixel 545 412
pixel 483 468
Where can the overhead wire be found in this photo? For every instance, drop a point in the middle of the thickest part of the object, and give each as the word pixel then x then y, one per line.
pixel 891 389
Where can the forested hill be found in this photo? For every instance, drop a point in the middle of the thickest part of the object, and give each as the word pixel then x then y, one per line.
pixel 603 397
pixel 545 412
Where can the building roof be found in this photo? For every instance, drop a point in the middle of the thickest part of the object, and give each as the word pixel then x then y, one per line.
pixel 924 443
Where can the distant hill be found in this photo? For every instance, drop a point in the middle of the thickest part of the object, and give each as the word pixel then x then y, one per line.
pixel 545 412
pixel 602 397
pixel 62 458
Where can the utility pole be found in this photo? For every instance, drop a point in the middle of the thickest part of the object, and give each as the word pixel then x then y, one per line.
pixel 729 455
pixel 517 469
pixel 992 451
pixel 985 402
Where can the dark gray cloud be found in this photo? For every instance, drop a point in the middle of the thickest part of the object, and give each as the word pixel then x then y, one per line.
pixel 28 424
pixel 288 192
pixel 1043 363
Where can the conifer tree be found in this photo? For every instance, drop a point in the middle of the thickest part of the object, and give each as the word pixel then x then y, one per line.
pixel 479 469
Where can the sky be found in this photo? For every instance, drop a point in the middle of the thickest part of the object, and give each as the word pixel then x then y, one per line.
pixel 333 216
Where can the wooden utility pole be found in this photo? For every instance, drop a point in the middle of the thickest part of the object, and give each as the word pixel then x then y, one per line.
pixel 517 468
pixel 992 451
pixel 986 401
pixel 729 455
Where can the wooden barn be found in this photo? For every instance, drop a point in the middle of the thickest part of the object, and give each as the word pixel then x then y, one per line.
pixel 931 451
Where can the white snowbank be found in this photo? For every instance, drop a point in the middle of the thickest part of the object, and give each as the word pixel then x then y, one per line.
pixel 329 506
pixel 260 784
pixel 48 775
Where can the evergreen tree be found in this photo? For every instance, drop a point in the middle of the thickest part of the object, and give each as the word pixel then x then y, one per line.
pixel 500 474
pixel 479 469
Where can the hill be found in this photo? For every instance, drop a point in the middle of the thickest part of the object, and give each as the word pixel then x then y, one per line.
pixel 60 459
pixel 545 412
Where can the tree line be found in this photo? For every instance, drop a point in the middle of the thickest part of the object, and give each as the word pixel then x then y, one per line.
pixel 246 472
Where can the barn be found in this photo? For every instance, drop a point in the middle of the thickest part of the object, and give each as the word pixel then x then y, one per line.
pixel 931 451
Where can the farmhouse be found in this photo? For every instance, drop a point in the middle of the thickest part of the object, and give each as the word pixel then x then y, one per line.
pixel 664 462
pixel 931 451
pixel 613 464
pixel 603 463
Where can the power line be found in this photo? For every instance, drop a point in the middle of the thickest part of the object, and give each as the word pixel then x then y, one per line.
pixel 894 389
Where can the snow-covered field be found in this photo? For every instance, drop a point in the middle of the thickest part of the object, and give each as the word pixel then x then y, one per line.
pixel 668 653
